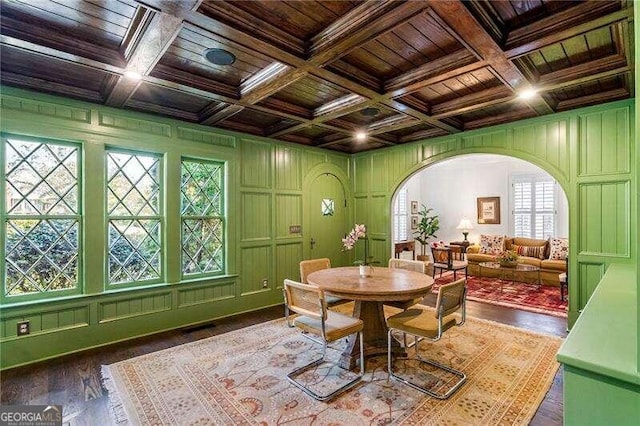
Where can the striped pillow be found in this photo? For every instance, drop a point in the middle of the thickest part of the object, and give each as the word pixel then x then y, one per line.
pixel 530 251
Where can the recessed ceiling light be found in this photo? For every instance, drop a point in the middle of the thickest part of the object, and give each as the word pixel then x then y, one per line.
pixel 132 75
pixel 219 56
pixel 370 112
pixel 361 136
pixel 527 94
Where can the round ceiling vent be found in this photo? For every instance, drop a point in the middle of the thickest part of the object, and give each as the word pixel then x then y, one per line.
pixel 219 56
pixel 370 112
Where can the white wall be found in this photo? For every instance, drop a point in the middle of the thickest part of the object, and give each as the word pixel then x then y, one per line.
pixel 452 187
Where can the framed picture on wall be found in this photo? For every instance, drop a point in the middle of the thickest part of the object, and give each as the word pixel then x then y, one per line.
pixel 414 207
pixel 489 210
pixel 414 222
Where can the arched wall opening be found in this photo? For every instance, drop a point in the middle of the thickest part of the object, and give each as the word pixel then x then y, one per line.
pixel 452 187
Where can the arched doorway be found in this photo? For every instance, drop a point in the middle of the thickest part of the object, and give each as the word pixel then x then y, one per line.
pixel 529 201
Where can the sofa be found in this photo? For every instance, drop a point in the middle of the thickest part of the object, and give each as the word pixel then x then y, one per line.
pixel 550 269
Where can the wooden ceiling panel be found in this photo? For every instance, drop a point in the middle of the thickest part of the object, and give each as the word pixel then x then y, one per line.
pixel 414 43
pixel 250 117
pixel 459 86
pixel 302 19
pixel 359 118
pixel 187 53
pixel 574 51
pixel 162 96
pixel 407 131
pixel 315 132
pixel 500 110
pixel 516 13
pixel 45 69
pixel 103 23
pixel 310 92
pixel 305 70
pixel 589 89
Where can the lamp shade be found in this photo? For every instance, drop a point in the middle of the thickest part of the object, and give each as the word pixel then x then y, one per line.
pixel 465 224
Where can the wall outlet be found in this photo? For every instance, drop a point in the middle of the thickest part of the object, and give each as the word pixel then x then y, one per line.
pixel 23 328
pixel 265 283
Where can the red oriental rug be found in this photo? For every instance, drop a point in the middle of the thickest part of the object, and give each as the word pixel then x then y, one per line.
pixel 518 295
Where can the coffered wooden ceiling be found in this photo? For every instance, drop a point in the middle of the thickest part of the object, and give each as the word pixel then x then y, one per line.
pixel 315 72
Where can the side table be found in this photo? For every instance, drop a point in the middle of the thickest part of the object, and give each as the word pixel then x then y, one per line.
pixel 463 246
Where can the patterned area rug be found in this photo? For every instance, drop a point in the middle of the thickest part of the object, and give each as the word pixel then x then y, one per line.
pixel 239 378
pixel 512 294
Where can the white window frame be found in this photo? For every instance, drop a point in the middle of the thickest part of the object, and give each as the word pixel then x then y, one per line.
pixel 535 212
pixel 400 215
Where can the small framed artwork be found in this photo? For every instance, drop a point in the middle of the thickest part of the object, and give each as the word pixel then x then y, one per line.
pixel 489 210
pixel 414 222
pixel 414 207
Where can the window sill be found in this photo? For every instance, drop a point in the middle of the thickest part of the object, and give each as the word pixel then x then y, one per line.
pixel 133 290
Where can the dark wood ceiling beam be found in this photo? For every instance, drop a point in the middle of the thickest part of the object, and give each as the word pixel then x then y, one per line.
pixel 585 17
pixel 216 90
pixel 340 106
pixel 292 60
pixel 258 87
pixel 592 99
pixel 141 18
pixel 364 23
pixel 453 14
pixel 151 43
pixel 48 86
pixel 227 112
pixel 275 127
pixel 433 72
pixel 391 124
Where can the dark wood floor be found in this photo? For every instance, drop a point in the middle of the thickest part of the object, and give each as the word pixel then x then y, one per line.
pixel 74 380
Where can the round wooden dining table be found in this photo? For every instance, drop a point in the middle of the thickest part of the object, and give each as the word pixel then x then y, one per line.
pixel 370 294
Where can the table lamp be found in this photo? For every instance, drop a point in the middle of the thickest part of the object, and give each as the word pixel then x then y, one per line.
pixel 465 226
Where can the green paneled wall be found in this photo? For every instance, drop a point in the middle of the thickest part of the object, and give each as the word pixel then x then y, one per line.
pixel 266 182
pixel 264 196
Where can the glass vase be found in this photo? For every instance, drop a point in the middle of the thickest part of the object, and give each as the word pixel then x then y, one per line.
pixel 366 270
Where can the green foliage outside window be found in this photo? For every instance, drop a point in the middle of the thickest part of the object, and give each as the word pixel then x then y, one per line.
pixel 202 217
pixel 41 217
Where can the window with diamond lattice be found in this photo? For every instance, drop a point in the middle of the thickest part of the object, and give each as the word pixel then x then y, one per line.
pixel 203 221
pixel 134 209
pixel 41 217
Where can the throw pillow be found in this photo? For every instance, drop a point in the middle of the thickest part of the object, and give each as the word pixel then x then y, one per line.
pixel 559 248
pixel 491 244
pixel 530 251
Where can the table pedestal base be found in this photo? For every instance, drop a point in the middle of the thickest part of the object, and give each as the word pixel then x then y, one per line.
pixel 374 334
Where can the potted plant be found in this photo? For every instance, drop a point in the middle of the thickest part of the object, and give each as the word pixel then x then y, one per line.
pixel 427 228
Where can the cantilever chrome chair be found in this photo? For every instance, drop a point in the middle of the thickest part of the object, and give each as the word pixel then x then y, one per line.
pixel 307 267
pixel 424 323
pixel 309 302
pixel 411 265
